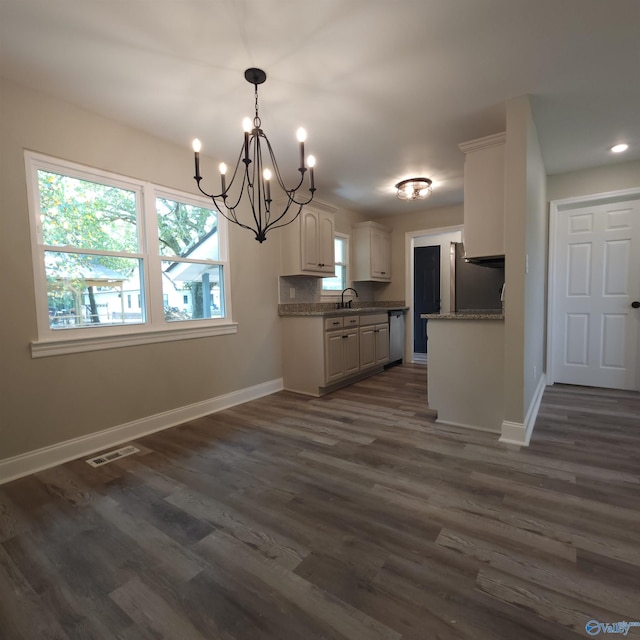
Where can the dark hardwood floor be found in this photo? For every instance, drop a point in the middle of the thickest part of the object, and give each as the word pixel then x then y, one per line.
pixel 351 516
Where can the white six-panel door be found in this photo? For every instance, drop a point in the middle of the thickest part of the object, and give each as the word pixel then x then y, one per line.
pixel 597 267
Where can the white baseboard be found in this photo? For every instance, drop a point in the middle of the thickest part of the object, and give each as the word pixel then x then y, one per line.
pixel 520 433
pixel 51 456
pixel 473 427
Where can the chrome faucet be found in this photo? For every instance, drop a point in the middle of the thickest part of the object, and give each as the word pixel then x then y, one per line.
pixel 342 303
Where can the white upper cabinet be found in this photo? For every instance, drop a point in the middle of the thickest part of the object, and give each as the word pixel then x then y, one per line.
pixel 307 243
pixel 371 252
pixel 484 196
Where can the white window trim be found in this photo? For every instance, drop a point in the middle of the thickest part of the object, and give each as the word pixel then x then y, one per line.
pixel 44 348
pixel 326 294
pixel 52 342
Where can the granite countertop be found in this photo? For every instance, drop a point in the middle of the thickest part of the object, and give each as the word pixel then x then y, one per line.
pixel 468 314
pixel 329 308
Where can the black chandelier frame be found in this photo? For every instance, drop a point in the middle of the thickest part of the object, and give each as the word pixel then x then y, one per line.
pixel 253 180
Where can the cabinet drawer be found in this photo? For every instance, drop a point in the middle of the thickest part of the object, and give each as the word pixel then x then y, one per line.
pixel 374 318
pixel 351 321
pixel 333 323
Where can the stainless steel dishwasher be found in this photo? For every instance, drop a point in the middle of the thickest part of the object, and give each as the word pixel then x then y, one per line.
pixel 396 335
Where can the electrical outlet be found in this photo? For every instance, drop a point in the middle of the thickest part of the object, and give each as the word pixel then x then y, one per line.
pixel 292 293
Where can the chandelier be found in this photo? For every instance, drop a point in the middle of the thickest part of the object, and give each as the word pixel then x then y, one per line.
pixel 256 177
pixel 414 189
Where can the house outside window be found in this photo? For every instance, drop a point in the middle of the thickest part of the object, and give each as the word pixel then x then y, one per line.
pixel 100 239
pixel 338 282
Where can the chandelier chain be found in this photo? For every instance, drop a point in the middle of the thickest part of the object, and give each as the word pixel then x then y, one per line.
pixel 256 120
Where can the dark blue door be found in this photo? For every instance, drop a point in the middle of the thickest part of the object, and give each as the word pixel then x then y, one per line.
pixel 426 291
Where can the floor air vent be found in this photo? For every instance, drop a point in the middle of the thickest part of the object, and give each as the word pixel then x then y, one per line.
pixel 110 456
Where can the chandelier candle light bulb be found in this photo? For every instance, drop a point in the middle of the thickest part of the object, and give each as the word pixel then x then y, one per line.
pixel 267 176
pixel 311 162
pixel 223 170
pixel 197 145
pixel 301 134
pixel 246 126
pixel 255 185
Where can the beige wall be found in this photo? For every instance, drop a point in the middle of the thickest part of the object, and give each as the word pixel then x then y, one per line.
pixel 525 258
pixel 613 177
pixel 437 218
pixel 346 219
pixel 48 400
pixel 535 311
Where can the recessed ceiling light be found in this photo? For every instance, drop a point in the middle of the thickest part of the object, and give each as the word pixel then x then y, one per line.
pixel 619 148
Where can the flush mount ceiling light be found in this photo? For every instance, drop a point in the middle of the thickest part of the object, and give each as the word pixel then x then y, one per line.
pixel 414 189
pixel 619 148
pixel 255 178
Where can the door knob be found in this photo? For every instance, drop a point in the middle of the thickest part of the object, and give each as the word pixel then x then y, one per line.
pixel 635 304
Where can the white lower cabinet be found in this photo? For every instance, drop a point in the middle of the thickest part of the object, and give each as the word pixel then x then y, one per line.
pixel 367 347
pixel 322 353
pixel 382 343
pixel 374 344
pixel 341 354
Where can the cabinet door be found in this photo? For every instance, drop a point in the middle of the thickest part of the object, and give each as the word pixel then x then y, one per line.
pixel 382 343
pixel 333 356
pixel 316 241
pixel 351 352
pixel 484 166
pixel 367 346
pixel 309 240
pixel 380 254
pixel 326 249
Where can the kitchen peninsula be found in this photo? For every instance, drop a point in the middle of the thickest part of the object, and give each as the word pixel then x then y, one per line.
pixel 465 377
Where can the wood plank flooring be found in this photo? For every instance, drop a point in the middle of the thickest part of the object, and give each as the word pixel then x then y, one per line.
pixel 354 516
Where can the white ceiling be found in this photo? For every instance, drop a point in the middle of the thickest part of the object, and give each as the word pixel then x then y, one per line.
pixel 386 89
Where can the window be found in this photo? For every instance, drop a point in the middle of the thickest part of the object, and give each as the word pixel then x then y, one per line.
pixel 189 247
pixel 101 241
pixel 339 281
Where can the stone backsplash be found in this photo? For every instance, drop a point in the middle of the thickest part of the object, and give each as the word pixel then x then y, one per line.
pixel 303 289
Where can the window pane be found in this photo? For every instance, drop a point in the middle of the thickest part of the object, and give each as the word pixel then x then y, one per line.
pixel 192 290
pixel 338 282
pixel 88 290
pixel 87 215
pixel 187 231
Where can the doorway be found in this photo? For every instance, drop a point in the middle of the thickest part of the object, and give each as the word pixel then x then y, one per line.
pixel 443 237
pixel 594 291
pixel 426 292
